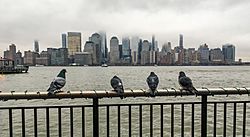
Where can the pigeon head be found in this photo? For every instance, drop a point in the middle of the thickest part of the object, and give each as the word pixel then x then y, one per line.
pixel 152 73
pixel 182 74
pixel 62 73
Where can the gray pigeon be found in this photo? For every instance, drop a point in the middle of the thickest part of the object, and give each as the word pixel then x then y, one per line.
pixel 186 83
pixel 116 83
pixel 58 82
pixel 152 81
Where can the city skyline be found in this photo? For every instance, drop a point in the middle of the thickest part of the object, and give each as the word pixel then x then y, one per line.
pixel 146 53
pixel 212 22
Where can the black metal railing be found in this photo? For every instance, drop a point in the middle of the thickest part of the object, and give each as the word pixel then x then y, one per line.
pixel 176 118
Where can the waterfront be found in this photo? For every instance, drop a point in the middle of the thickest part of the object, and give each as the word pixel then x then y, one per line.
pixel 98 78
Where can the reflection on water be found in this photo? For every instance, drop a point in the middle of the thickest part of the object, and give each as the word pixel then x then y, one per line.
pixel 98 78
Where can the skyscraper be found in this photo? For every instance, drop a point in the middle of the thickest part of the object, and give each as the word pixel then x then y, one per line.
pixel 126 51
pixel 74 43
pixel 114 51
pixel 36 46
pixel 153 46
pixel 139 51
pixel 181 42
pixel 104 49
pixel 134 49
pixel 166 48
pixel 229 53
pixel 145 53
pixel 203 53
pixel 97 40
pixel 90 48
pixel 216 55
pixel 64 40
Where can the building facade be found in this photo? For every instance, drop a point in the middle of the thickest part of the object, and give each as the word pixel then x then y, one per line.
pixel 126 51
pixel 83 58
pixel 29 58
pixel 229 53
pixel 64 40
pixel 97 42
pixel 74 43
pixel 58 56
pixel 36 46
pixel 114 51
pixel 203 54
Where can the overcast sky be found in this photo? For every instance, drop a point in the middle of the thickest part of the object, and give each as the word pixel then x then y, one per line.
pixel 215 22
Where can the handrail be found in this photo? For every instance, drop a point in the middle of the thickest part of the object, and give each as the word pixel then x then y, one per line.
pixel 4 96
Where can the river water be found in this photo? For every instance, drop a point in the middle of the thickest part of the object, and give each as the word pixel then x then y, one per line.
pixel 98 78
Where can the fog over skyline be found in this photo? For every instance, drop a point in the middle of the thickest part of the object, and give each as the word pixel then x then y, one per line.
pixel 215 22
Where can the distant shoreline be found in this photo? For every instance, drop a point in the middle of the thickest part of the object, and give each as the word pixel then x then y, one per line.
pixel 248 64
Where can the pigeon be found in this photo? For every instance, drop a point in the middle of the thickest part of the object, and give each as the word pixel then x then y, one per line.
pixel 58 83
pixel 116 83
pixel 152 81
pixel 186 83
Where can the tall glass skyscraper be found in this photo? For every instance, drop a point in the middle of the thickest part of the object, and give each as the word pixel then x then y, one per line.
pixel 181 41
pixel 104 49
pixel 74 42
pixel 229 53
pixel 36 46
pixel 97 40
pixel 64 40
pixel 126 51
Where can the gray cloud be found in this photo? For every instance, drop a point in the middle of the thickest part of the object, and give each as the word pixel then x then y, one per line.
pixel 215 22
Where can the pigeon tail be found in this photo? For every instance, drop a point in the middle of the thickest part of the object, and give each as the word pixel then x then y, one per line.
pixel 120 92
pixel 152 93
pixel 192 90
pixel 50 92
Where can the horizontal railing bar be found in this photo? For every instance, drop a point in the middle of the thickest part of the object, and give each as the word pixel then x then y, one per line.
pixel 127 93
pixel 127 104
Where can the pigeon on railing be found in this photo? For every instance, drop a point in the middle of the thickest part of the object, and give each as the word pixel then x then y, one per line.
pixel 116 83
pixel 186 83
pixel 58 83
pixel 153 82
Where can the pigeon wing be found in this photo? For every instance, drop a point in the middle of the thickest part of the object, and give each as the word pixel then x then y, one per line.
pixel 185 82
pixel 59 83
pixel 56 84
pixel 114 83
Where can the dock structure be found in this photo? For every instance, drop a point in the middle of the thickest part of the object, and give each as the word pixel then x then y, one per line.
pixel 7 66
pixel 163 113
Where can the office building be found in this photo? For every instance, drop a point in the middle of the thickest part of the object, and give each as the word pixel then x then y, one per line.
pixel 97 41
pixel 58 56
pixel 114 51
pixel 83 58
pixel 74 43
pixel 216 55
pixel 43 59
pixel 203 54
pixel 36 46
pixel 19 58
pixel 29 58
pixel 64 40
pixel 229 53
pixel 104 49
pixel 181 44
pixel 145 53
pixel 126 51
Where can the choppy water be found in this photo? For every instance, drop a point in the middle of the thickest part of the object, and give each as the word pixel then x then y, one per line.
pixel 98 78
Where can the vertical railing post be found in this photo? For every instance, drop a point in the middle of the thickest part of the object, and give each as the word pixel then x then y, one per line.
pixel 95 117
pixel 204 116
